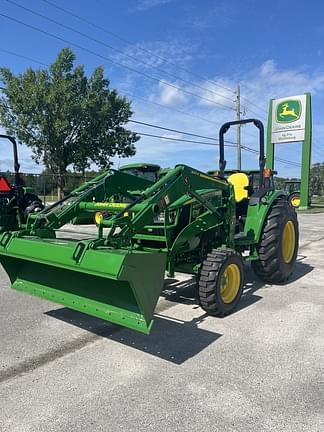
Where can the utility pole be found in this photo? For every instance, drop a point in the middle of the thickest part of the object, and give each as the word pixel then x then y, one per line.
pixel 238 117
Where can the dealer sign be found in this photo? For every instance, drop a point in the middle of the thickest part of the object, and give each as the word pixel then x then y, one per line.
pixel 288 119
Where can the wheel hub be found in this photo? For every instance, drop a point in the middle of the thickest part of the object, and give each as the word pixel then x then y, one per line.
pixel 288 242
pixel 230 283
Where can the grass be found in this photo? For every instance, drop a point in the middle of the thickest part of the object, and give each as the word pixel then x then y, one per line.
pixel 318 201
pixel 317 206
pixel 312 210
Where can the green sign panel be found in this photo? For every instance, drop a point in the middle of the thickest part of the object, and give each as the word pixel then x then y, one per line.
pixel 288 111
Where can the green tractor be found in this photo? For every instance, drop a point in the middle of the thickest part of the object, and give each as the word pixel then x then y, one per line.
pixel 16 201
pixel 186 221
pixel 292 188
pixel 149 172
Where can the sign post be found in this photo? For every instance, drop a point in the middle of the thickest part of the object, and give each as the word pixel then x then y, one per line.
pixel 290 120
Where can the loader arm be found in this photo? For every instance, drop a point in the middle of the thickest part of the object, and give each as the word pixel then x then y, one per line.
pixel 180 181
pixel 101 188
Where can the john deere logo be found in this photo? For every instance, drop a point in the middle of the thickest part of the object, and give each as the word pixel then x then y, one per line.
pixel 288 111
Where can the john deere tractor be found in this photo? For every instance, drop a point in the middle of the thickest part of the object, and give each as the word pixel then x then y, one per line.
pixel 16 201
pixel 292 188
pixel 186 221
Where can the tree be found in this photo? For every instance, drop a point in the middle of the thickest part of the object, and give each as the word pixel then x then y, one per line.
pixel 65 117
pixel 317 179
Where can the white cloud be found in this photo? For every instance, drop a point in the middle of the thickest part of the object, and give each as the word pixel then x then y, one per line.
pixel 169 95
pixel 216 91
pixel 144 5
pixel 271 81
pixel 158 54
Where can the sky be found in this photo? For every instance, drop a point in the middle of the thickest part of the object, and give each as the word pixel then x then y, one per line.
pixel 180 63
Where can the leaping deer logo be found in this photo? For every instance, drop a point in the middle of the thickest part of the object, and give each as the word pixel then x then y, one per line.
pixel 288 112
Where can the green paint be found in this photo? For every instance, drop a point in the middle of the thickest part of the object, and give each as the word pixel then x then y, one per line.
pixel 104 283
pixel 256 216
pixel 270 146
pixel 306 157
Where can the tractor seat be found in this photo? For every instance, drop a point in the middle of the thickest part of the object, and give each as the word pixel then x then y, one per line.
pixel 240 181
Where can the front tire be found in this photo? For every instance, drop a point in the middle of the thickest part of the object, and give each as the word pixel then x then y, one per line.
pixel 294 199
pixel 278 246
pixel 221 281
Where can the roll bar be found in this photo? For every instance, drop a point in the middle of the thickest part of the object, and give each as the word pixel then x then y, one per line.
pixel 225 128
pixel 15 154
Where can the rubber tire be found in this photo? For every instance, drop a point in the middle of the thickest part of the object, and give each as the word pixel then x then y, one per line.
pixel 271 267
pixel 292 196
pixel 210 281
pixel 31 203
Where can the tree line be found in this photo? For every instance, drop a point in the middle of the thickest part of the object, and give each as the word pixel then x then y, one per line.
pixel 316 181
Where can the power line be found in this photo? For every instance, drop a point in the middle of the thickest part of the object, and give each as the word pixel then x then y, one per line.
pixel 170 108
pixel 159 57
pixel 113 61
pixel 247 99
pixel 114 49
pixel 172 130
pixel 181 139
pixel 23 57
pixel 133 58
pixel 229 143
pixel 233 144
pixel 68 12
pixel 254 104
pixel 131 43
pixel 123 93
pixel 278 159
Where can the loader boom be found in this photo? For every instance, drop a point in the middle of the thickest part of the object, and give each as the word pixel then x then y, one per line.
pixel 100 188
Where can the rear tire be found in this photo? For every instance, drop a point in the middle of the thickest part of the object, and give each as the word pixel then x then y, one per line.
pixel 221 281
pixel 32 204
pixel 278 246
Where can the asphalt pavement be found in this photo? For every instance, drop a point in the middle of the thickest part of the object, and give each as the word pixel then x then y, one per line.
pixel 259 369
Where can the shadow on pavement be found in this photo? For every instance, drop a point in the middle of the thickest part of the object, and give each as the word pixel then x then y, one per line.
pixel 171 339
pixel 186 291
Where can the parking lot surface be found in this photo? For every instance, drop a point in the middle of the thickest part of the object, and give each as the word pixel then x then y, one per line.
pixel 259 369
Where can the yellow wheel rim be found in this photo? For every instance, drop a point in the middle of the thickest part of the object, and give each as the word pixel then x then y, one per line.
pixel 295 202
pixel 98 218
pixel 230 283
pixel 288 244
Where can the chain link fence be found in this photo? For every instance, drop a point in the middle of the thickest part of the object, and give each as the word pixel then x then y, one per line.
pixel 45 185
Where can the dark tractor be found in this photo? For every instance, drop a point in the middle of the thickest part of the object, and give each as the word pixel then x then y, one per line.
pixel 292 188
pixel 16 201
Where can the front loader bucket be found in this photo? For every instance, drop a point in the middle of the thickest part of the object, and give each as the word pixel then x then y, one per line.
pixel 116 285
